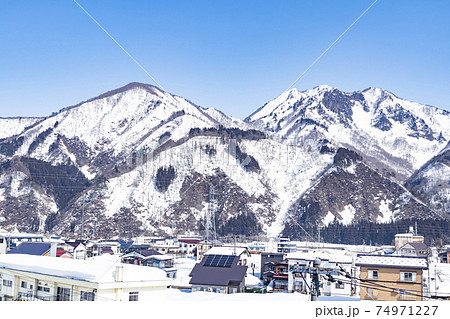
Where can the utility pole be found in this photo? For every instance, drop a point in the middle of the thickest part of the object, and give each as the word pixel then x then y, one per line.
pixel 315 284
pixel 315 270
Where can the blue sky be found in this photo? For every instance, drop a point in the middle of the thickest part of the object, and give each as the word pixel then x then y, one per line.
pixel 231 55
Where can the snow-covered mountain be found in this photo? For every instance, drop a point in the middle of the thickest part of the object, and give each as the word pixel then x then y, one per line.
pixel 392 134
pixel 140 160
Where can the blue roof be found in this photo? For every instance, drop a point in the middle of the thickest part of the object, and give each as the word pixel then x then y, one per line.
pixel 37 249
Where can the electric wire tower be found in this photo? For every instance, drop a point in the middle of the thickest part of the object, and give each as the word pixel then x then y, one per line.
pixel 211 215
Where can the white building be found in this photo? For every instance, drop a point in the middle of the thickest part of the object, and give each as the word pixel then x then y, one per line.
pixel 25 277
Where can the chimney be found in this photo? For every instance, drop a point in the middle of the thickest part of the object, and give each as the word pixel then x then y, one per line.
pixel 53 247
pixel 119 274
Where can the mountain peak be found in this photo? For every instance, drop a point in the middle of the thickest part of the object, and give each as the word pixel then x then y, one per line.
pixel 323 87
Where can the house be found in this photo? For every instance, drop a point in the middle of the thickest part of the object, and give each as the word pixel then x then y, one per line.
pixel 34 248
pixel 281 276
pixel 188 245
pixel 28 277
pixel 8 241
pixel 76 248
pixel 218 273
pixel 137 257
pixel 165 249
pixel 63 253
pixel 164 262
pixel 268 262
pixel 410 237
pixel 241 252
pixel 204 246
pixel 413 249
pixel 391 278
pixel 115 246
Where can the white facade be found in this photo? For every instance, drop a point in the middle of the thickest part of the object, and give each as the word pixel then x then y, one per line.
pixel 25 277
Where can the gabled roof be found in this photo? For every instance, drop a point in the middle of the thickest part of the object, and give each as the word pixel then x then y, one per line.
pixel 416 246
pixel 389 261
pixel 217 276
pixel 36 249
pixel 74 244
pixel 60 252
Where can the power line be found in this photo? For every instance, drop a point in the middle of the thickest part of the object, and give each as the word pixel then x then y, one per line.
pixel 118 44
pixel 326 50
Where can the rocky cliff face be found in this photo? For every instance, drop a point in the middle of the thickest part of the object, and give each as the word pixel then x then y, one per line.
pixel 139 160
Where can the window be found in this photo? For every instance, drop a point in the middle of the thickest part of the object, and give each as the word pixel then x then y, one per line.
pixel 7 283
pixel 44 289
pixel 87 296
pixel 133 296
pixel 340 285
pixel 372 274
pixel 23 284
pixel 407 276
pixel 63 294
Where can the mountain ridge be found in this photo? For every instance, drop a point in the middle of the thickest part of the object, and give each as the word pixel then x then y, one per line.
pixel 147 159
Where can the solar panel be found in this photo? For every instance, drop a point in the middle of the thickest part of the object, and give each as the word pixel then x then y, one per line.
pixel 208 260
pixel 219 261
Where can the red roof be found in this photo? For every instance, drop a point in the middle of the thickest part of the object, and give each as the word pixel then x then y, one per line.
pixel 60 252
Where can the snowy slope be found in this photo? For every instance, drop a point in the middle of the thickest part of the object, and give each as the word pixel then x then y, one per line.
pixel 16 125
pixel 140 160
pixel 390 132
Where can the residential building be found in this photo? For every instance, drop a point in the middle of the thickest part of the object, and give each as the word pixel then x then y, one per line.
pixel 268 262
pixel 241 252
pixel 388 277
pixel 188 245
pixel 413 249
pixel 218 273
pixel 281 276
pixel 76 248
pixel 35 248
pixel 27 277
pixel 163 262
pixel 11 240
pixel 410 237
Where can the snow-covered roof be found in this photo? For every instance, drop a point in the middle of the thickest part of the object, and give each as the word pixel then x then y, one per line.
pixel 389 261
pixel 99 270
pixel 226 250
pixel 159 257
pixel 322 255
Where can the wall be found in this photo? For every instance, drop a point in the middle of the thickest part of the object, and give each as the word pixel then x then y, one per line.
pixel 393 276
